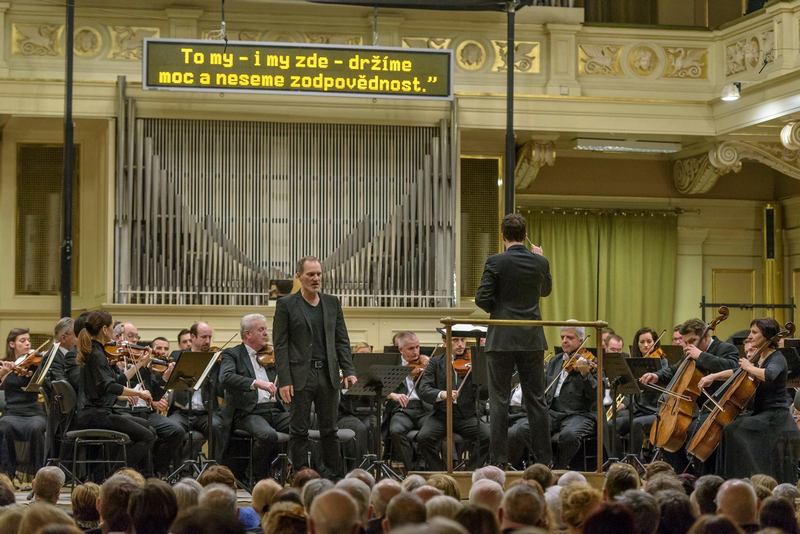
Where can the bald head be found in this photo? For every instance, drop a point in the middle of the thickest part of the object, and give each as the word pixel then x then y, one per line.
pixel 427 493
pixel 334 512
pixel 360 492
pixel 737 499
pixel 382 493
pixel 486 494
pixel 404 509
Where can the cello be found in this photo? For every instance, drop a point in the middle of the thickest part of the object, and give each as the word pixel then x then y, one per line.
pixel 677 410
pixel 731 399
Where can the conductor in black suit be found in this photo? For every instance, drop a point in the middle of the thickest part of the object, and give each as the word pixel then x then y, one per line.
pixel 511 286
pixel 311 347
pixel 250 392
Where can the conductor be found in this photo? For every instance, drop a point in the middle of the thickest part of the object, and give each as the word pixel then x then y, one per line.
pixel 511 286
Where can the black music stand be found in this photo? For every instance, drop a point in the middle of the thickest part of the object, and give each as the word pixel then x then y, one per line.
pixel 190 372
pixel 377 379
pixel 621 380
pixel 640 367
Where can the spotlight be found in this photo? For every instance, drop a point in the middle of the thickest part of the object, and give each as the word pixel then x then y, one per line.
pixel 731 92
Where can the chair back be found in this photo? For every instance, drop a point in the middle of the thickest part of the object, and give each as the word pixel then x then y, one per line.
pixel 67 401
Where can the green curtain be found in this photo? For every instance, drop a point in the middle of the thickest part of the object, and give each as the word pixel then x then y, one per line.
pixel 616 266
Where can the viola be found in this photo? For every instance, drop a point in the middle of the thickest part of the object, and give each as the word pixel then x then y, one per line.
pixel 729 400
pixel 676 412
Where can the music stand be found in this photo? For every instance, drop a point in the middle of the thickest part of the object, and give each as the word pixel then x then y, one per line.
pixel 621 380
pixel 36 381
pixel 373 382
pixel 190 372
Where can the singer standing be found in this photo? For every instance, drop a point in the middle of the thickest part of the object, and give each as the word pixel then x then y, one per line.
pixel 511 286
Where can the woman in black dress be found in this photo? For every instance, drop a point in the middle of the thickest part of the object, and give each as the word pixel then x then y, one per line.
pixel 24 420
pixel 763 440
pixel 102 385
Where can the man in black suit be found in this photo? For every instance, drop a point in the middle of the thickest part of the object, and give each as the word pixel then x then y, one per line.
pixel 250 392
pixel 511 286
pixel 311 348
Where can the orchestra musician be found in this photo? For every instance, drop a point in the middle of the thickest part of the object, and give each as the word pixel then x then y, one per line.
pixel 311 348
pixel 750 444
pixel 185 339
pixel 572 395
pixel 251 392
pixel 23 419
pixel 102 384
pixel 64 366
pixel 511 286
pixel 433 390
pixel 405 410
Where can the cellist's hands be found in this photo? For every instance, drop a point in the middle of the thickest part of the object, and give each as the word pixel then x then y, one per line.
pixel 691 351
pixel 707 380
pixel 747 365
pixel 648 378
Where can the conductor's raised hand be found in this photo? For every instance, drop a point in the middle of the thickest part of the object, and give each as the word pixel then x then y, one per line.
pixel 536 249
pixel 286 393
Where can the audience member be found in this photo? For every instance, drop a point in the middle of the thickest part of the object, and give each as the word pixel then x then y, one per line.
pixel 289 495
pixel 412 482
pixel 312 489
pixel 737 499
pixel 56 528
pixel 442 506
pixel 610 518
pixel 334 512
pixel 379 498
pixel 359 491
pixel 153 507
pixel 477 519
pixel 786 491
pixel 446 484
pixel 522 507
pixel 427 492
pixel 619 478
pixel 262 495
pixel 577 501
pixel 778 513
pixel 47 484
pixel 217 474
pixel 285 518
pixel 644 508
pixel 676 513
pixel 201 520
pixel 705 493
pixel 762 493
pixel 541 474
pixel 656 468
pixel 404 509
pixel 688 481
pixel 765 480
pixel 663 482
pixel 302 476
pixel 491 472
pixel 12 517
pixel 187 493
pixel 219 497
pixel 135 476
pixel 363 475
pixel 487 494
pixel 552 496
pixel 714 524
pixel 7 496
pixel 442 525
pixel 115 493
pixel 84 505
pixel 42 514
pixel 571 477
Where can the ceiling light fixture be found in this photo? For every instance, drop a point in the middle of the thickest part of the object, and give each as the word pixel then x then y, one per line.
pixel 731 92
pixel 623 146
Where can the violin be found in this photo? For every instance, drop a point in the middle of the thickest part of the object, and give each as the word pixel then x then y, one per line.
pixel 729 401
pixel 266 356
pixel 25 364
pixel 676 413
pixel 462 365
pixel 416 367
pixel 571 364
pixel 158 366
pixel 658 353
pixel 116 351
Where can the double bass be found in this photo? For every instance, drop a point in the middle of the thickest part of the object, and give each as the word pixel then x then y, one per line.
pixel 731 399
pixel 675 415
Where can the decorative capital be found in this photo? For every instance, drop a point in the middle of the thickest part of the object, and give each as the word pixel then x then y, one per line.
pixel 790 136
pixel 530 159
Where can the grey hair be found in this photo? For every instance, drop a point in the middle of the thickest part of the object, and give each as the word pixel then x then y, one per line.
pixel 403 337
pixel 248 320
pixel 218 497
pixel 63 324
pixel 579 330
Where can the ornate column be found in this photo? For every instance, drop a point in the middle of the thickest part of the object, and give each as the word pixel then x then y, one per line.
pixel 562 60
pixel 3 66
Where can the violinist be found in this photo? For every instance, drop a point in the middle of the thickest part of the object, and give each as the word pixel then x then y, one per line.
pixel 102 384
pixel 405 410
pixel 23 420
pixel 433 390
pixel 572 396
pixel 752 442
pixel 645 405
pixel 250 391
pixel 64 366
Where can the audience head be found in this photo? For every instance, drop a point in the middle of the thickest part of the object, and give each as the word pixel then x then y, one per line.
pixel 486 493
pixel 359 491
pixel 610 518
pixel 737 499
pixel 304 475
pixel 12 517
pixel 644 508
pixel 764 480
pixel 84 503
pixel 705 491
pixel 676 513
pixel 786 491
pixel 446 484
pixel 47 484
pixel 427 492
pixel 577 501
pixel 7 496
pixel 135 476
pixel 477 520
pixel 187 493
pixel 218 497
pixel 655 468
pixel 571 477
pixel 442 506
pixel 521 507
pixel 56 528
pixel 491 472
pixel 663 482
pixel 153 507
pixel 404 509
pixel 620 477
pixel 714 524
pixel 202 520
pixel 114 496
pixel 285 518
pixel 762 492
pixel 290 495
pixel 312 489
pixel 412 482
pixel 381 494
pixel 41 514
pixel 334 512
pixel 778 513
pixel 552 496
pixel 363 475
pixel 541 474
pixel 262 494
pixel 217 474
